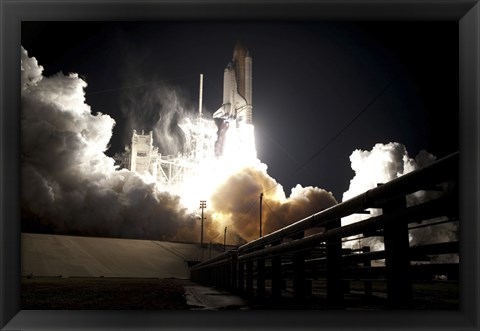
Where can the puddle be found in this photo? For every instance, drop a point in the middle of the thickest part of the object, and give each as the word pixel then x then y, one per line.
pixel 206 298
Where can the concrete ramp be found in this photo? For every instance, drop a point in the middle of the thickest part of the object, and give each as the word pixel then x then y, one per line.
pixel 70 256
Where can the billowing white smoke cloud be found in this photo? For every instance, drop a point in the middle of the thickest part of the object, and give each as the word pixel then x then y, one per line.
pixel 382 164
pixel 70 186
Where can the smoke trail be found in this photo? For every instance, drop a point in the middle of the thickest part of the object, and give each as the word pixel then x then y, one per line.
pixel 158 108
pixel 382 164
pixel 68 184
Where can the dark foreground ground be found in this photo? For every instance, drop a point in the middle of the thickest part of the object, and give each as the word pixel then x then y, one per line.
pixel 169 294
pixel 103 293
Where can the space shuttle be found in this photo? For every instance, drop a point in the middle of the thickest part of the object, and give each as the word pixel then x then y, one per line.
pixel 237 89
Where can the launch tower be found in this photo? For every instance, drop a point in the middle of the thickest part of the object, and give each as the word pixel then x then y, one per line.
pixel 202 143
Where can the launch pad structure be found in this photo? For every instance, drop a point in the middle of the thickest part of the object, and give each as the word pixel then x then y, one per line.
pixel 170 171
pixel 204 137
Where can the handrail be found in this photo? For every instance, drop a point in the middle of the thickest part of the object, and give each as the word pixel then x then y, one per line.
pixel 272 257
pixel 412 214
pixel 225 256
pixel 408 183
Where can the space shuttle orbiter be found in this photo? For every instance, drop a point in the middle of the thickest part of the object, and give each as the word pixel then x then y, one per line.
pixel 237 88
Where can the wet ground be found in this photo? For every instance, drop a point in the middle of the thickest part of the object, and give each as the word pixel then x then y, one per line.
pixel 207 298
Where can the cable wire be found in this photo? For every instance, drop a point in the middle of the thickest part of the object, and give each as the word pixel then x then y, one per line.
pixel 339 132
pixel 274 213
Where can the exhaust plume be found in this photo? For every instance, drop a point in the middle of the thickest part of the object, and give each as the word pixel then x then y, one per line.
pixel 69 185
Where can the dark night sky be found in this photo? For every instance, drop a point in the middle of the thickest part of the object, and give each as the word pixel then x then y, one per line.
pixel 310 80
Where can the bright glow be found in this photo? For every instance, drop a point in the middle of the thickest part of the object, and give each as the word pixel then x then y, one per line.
pixel 231 183
pixel 205 172
pixel 71 186
pixel 240 146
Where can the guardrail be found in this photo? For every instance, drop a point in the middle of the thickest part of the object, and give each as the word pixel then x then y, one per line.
pixel 288 254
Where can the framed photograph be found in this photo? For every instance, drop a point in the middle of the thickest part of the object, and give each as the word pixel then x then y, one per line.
pixel 152 151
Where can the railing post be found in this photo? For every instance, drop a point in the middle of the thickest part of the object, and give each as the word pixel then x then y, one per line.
pixel 201 275
pixel 261 278
pixel 277 276
pixel 218 272
pixel 397 260
pixel 300 286
pixel 233 271
pixel 241 277
pixel 276 272
pixel 214 273
pixel 299 276
pixel 333 252
pixel 367 283
pixel 249 285
pixel 226 275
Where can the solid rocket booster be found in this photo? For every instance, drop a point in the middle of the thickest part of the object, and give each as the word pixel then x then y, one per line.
pixel 237 88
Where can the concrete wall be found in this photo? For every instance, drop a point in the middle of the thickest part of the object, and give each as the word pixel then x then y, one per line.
pixel 69 256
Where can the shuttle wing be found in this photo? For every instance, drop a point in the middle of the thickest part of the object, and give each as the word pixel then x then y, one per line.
pixel 227 111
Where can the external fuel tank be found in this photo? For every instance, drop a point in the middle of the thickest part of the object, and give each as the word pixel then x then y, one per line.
pixel 237 88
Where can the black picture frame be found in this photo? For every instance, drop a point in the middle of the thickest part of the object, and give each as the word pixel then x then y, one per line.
pixel 467 13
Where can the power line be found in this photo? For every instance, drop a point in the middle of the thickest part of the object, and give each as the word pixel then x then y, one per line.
pixel 339 132
pixel 244 214
pixel 230 236
pixel 239 221
pixel 347 126
pixel 274 213
pixel 213 85
pixel 282 148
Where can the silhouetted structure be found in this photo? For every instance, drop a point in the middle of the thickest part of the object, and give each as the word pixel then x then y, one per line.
pixel 288 258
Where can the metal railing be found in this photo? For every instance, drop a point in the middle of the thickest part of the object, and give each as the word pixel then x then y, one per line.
pixel 288 254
